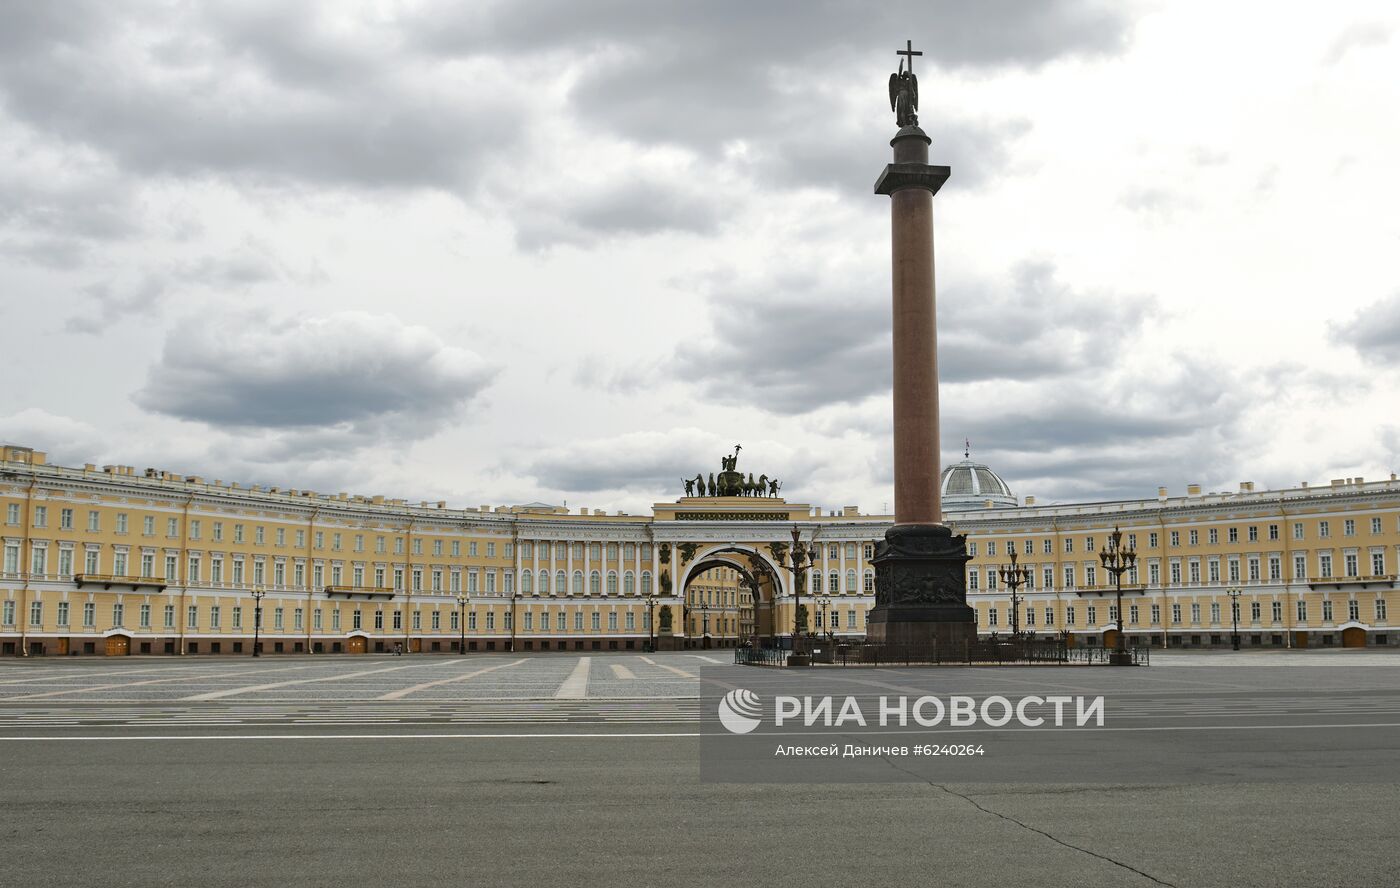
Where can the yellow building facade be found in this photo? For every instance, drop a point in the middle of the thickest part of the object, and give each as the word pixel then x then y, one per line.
pixel 114 560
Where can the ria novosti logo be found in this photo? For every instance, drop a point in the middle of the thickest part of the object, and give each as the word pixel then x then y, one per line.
pixel 739 711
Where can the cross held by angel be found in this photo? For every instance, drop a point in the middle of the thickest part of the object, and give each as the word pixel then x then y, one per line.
pixel 904 88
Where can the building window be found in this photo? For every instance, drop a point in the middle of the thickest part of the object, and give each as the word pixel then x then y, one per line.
pixel 1276 611
pixel 1353 609
pixel 1349 527
pixel 1380 610
pixel 1327 611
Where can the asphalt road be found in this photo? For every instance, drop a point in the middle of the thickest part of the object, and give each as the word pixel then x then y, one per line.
pixel 507 783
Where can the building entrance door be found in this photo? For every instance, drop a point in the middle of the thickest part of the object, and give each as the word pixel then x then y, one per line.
pixel 357 644
pixel 1353 637
pixel 118 645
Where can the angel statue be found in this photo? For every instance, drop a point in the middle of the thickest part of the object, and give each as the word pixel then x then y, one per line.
pixel 904 96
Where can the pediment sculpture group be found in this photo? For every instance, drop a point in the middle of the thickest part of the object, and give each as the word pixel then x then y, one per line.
pixel 730 481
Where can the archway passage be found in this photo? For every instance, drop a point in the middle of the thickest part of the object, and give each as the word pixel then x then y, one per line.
pixel 727 600
pixel 1353 637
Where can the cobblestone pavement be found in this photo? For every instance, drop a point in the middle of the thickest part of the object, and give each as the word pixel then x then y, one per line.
pixel 463 770
pixel 370 678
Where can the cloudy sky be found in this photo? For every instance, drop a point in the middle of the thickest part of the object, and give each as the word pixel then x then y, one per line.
pixel 494 252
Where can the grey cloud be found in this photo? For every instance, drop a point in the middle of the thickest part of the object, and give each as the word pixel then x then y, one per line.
pixel 238 270
pixel 273 96
pixel 797 344
pixel 636 204
pixel 1120 435
pixel 1361 35
pixel 459 98
pixel 640 461
pixel 655 464
pixel 1374 331
pixel 705 73
pixel 56 212
pixel 341 378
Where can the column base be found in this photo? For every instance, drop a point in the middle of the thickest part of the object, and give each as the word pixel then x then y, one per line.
pixel 921 589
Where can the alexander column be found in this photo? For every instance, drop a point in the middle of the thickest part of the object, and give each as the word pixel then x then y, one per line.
pixel 920 567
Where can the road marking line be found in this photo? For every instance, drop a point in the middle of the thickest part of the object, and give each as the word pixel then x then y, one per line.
pixel 400 694
pixel 681 672
pixel 149 681
pixel 707 659
pixel 216 695
pixel 369 736
pixel 576 685
pixel 648 660
pixel 56 674
pixel 604 734
pixel 622 671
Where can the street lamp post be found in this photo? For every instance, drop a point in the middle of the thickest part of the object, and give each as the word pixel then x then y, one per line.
pixel 1015 576
pixel 258 593
pixel 1117 561
pixel 651 622
pixel 461 625
pixel 801 557
pixel 514 598
pixel 1234 617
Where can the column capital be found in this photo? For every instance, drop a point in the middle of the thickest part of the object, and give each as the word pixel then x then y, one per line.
pixel 898 176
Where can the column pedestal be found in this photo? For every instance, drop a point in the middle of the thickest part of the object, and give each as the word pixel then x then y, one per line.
pixel 920 591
